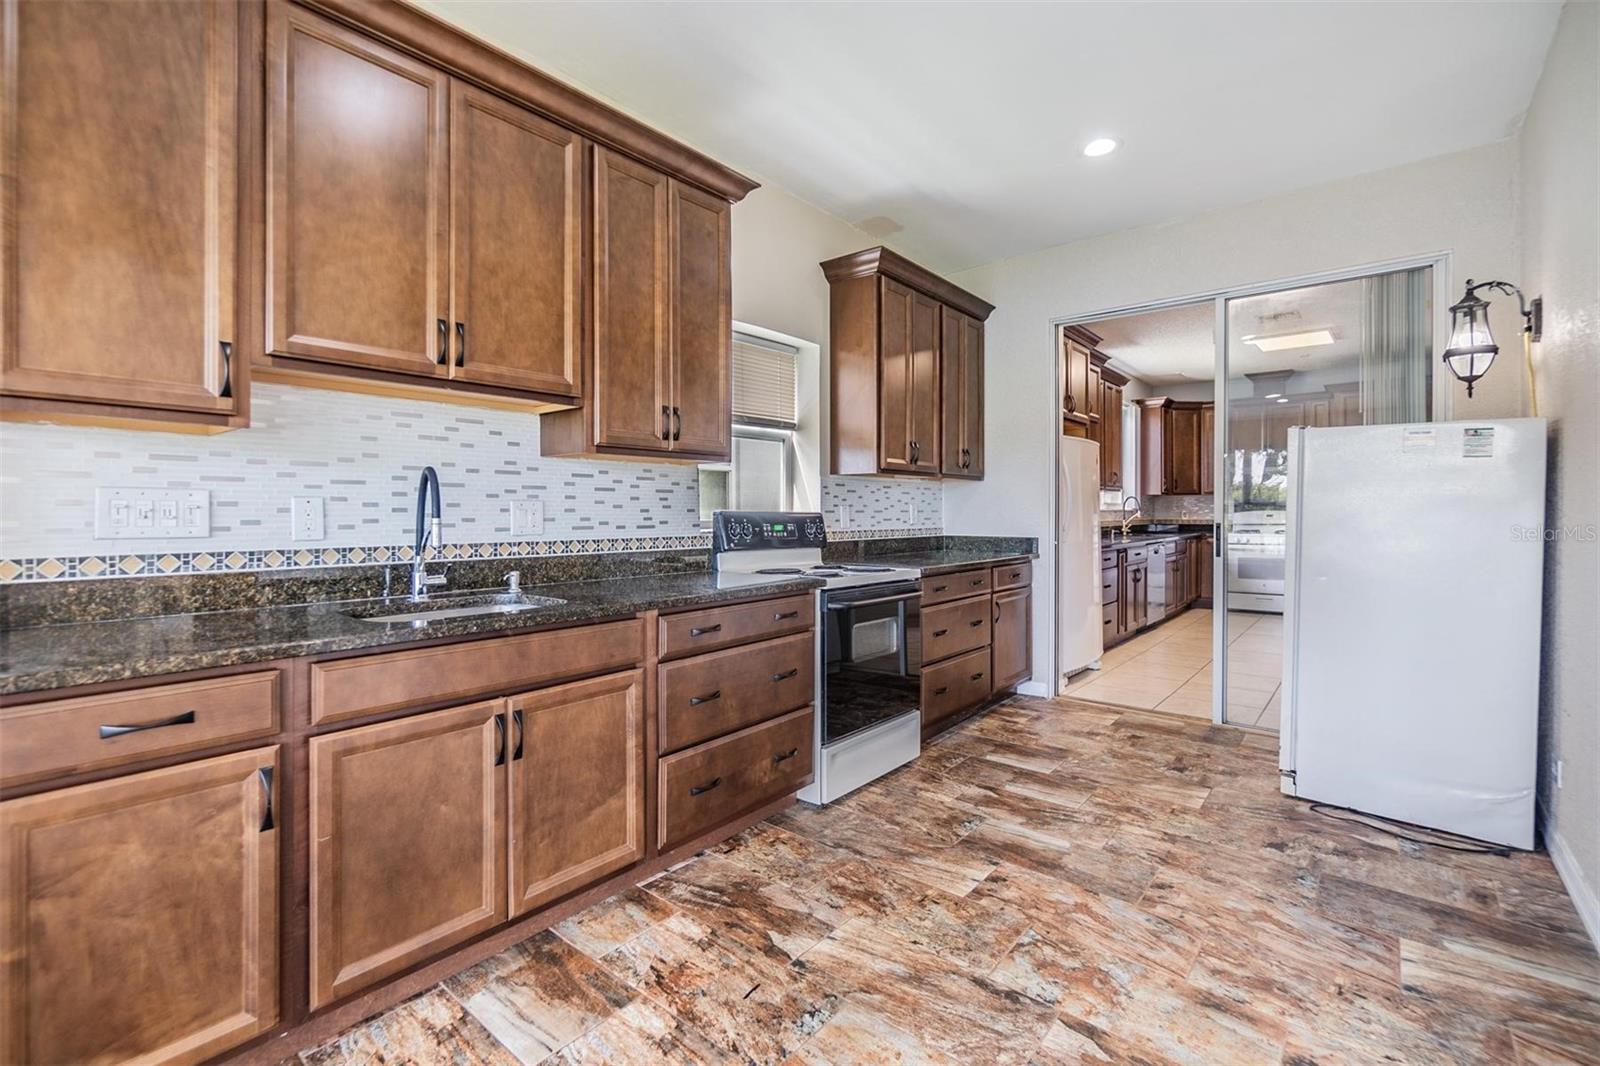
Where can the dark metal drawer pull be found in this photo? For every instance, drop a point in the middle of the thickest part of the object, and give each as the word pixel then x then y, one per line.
pixel 700 790
pixel 444 342
pixel 695 701
pixel 940 632
pixel 975 623
pixel 941 690
pixel 786 675
pixel 666 422
pixel 500 741
pixel 516 751
pixel 461 344
pixel 109 731
pixel 265 773
pixel 226 391
pixel 785 616
pixel 940 588
pixel 786 756
pixel 978 676
pixel 677 425
pixel 700 631
pixel 977 581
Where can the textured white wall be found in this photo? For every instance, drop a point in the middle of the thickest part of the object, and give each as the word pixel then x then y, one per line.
pixel 1464 204
pixel 1560 216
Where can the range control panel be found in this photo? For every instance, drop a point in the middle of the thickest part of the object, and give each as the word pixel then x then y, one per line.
pixel 735 531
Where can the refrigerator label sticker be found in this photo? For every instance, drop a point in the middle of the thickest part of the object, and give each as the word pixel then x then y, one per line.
pixel 1477 442
pixel 1416 438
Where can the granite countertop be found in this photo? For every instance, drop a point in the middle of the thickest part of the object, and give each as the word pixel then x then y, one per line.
pixel 949 560
pixel 58 656
pixel 1138 539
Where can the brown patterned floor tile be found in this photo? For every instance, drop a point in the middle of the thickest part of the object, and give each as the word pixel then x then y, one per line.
pixel 971 934
pixel 606 925
pixel 859 1036
pixel 733 903
pixel 1046 852
pixel 432 1027
pixel 949 869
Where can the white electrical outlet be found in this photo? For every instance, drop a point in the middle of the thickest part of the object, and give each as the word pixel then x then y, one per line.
pixel 841 514
pixel 1558 773
pixel 151 514
pixel 911 511
pixel 527 518
pixel 306 518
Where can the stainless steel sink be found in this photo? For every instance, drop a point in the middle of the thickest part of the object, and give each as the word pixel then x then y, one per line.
pixel 439 608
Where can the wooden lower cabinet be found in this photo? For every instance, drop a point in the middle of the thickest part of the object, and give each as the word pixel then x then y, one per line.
pixel 953 686
pixel 407 820
pixel 1012 640
pixel 705 786
pixel 577 786
pixel 1135 595
pixel 141 915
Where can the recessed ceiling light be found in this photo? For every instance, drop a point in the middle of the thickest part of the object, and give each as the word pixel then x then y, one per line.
pixel 1273 395
pixel 1283 399
pixel 1278 342
pixel 1101 146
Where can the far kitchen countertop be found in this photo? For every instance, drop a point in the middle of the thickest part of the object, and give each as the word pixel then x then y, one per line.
pixel 83 653
pixel 949 560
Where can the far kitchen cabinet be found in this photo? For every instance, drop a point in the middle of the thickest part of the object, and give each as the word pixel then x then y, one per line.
pixel 1011 638
pixel 141 914
pixel 358 173
pixel 577 768
pixel 406 824
pixel 1177 576
pixel 1171 446
pixel 701 349
pixel 961 405
pixel 1077 345
pixel 516 211
pixel 122 131
pixel 1135 593
pixel 1110 427
pixel 897 330
pixel 1208 448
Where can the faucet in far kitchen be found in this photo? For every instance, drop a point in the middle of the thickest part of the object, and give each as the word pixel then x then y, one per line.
pixel 1127 519
pixel 427 533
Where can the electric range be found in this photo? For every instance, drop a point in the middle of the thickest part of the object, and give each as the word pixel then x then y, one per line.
pixel 869 643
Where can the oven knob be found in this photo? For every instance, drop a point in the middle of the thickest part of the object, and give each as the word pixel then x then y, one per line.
pixel 812 530
pixel 746 530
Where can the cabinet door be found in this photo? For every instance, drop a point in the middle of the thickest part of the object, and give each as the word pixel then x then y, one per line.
pixel 1184 450
pixel 961 386
pixel 1011 640
pixel 631 390
pixel 895 365
pixel 118 135
pixel 924 398
pixel 1111 436
pixel 141 915
pixel 1135 596
pixel 516 210
pixel 1075 399
pixel 1092 398
pixel 577 787
pixel 702 324
pixel 1208 444
pixel 357 182
pixel 407 820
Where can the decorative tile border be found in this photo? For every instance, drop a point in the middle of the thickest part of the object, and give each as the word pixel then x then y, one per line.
pixel 133 564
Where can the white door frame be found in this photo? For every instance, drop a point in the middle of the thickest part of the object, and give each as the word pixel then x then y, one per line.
pixel 1443 406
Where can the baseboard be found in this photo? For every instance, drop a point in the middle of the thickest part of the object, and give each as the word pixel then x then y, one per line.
pixel 1581 891
pixel 1034 688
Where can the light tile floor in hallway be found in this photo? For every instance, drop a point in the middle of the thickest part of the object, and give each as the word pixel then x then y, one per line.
pixel 1052 882
pixel 1168 668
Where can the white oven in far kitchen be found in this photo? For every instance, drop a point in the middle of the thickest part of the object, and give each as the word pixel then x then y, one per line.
pixel 1256 555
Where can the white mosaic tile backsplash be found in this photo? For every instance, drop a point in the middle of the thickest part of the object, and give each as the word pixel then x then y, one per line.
pixel 362 455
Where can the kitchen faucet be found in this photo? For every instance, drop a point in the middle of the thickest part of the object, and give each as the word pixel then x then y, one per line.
pixel 1127 519
pixel 427 491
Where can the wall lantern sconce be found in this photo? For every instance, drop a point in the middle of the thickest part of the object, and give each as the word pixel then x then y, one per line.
pixel 1472 348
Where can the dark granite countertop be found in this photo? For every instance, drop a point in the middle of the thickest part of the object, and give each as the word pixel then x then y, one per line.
pixel 58 656
pixel 949 560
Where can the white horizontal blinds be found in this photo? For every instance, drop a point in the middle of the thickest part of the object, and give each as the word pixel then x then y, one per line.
pixel 763 382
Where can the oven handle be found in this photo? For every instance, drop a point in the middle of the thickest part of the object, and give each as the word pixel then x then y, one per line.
pixel 847 604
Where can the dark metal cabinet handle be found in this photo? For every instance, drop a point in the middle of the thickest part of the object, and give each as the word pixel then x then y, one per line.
pixel 977 581
pixel 940 632
pixel 677 424
pixel 444 342
pixel 786 675
pixel 698 631
pixel 500 741
pixel 978 676
pixel 227 369
pixel 695 701
pixel 941 690
pixel 700 790
pixel 461 344
pixel 516 751
pixel 975 623
pixel 265 774
pixel 940 588
pixel 785 616
pixel 996 619
pixel 1072 403
pixel 109 731
pixel 786 756
pixel 666 422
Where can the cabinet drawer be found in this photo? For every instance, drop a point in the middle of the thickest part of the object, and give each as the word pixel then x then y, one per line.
pixel 739 623
pixel 1011 576
pixel 1108 615
pixel 954 685
pixel 709 695
pixel 350 688
pixel 1109 585
pixel 1108 559
pixel 952 628
pixel 1136 555
pixel 706 786
pixel 954 586
pixel 93 732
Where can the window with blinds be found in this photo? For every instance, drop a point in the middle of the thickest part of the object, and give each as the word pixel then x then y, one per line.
pixel 763 382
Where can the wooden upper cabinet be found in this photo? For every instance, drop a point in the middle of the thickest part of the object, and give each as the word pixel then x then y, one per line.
pixel 1171 446
pixel 1110 429
pixel 1077 344
pixel 961 387
pixel 1208 436
pixel 702 323
pixel 120 156
pixel 141 914
pixel 907 368
pixel 407 824
pixel 577 786
pixel 357 187
pixel 1183 450
pixel 516 225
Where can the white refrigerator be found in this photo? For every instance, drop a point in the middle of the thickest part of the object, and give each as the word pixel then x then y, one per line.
pixel 1079 622
pixel 1411 622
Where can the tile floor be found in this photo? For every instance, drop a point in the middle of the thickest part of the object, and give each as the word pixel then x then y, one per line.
pixel 1168 668
pixel 1052 882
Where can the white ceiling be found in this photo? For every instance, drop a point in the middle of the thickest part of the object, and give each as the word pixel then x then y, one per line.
pixel 1175 345
pixel 954 130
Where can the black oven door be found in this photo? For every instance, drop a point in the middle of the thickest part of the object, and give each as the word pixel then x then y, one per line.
pixel 872 657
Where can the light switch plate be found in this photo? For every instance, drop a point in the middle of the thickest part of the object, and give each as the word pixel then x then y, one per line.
pixel 841 515
pixel 306 518
pixel 151 514
pixel 527 518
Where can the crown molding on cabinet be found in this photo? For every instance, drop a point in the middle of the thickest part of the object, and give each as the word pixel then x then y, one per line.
pixel 881 260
